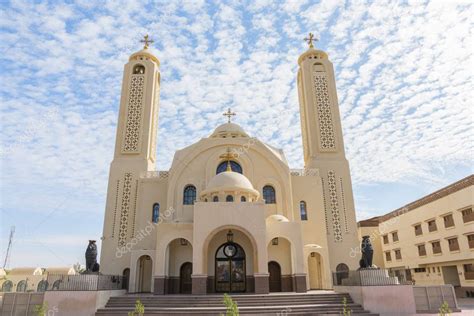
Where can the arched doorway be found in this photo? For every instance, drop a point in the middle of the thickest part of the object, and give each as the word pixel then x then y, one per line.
pixel 342 272
pixel 126 278
pixel 230 270
pixel 185 272
pixel 315 271
pixel 144 274
pixel 274 280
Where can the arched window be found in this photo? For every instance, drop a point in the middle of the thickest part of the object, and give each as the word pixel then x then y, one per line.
pixel 303 212
pixel 7 286
pixel 138 69
pixel 233 165
pixel 155 213
pixel 243 199
pixel 42 286
pixel 215 199
pixel 229 198
pixel 56 285
pixel 189 195
pixel 269 194
pixel 21 286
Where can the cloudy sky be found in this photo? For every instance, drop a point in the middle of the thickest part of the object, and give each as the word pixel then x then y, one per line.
pixel 403 73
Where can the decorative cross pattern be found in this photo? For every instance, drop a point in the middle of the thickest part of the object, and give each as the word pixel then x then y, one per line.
pixel 229 115
pixel 127 188
pixel 146 40
pixel 323 105
pixel 310 40
pixel 134 115
pixel 336 218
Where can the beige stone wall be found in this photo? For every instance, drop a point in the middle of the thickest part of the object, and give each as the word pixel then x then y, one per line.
pixel 445 267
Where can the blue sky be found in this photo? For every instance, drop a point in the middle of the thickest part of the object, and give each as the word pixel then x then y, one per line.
pixel 403 73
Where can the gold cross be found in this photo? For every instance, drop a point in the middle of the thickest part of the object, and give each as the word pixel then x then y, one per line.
pixel 310 40
pixel 229 114
pixel 146 40
pixel 228 156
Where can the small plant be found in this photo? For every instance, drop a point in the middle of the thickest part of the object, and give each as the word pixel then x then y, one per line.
pixel 139 309
pixel 41 310
pixel 346 311
pixel 231 306
pixel 444 309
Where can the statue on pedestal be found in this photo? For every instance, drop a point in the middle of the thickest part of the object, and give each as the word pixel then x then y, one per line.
pixel 91 258
pixel 367 253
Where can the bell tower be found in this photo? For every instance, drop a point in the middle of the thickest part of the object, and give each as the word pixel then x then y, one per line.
pixel 323 147
pixel 135 152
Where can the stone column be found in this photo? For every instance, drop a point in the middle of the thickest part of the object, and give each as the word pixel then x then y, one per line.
pixel 300 282
pixel 261 283
pixel 199 284
pixel 159 284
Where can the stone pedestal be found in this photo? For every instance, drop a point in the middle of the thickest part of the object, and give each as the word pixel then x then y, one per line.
pixel 159 284
pixel 261 283
pixel 199 284
pixel 369 276
pixel 299 282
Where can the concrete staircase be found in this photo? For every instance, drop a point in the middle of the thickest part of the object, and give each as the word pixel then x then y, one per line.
pixel 312 303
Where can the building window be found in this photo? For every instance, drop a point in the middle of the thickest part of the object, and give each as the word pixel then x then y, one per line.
pixel 385 239
pixel 42 286
pixel 467 215
pixel 21 286
pixel 215 199
pixel 243 199
pixel 448 221
pixel 469 271
pixel 155 213
pixel 418 230
pixel 470 241
pixel 229 198
pixel 138 69
pixel 421 250
pixel 7 286
pixel 398 254
pixel 233 165
pixel 436 247
pixel 395 236
pixel 420 270
pixel 388 256
pixel 269 194
pixel 432 226
pixel 453 244
pixel 189 195
pixel 303 213
pixel 275 241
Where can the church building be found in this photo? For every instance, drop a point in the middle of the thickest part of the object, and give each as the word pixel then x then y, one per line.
pixel 229 215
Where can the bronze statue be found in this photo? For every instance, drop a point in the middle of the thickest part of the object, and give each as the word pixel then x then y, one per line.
pixel 367 253
pixel 91 257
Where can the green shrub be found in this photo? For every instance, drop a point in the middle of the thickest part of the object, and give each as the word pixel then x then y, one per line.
pixel 444 309
pixel 231 306
pixel 41 310
pixel 346 311
pixel 139 309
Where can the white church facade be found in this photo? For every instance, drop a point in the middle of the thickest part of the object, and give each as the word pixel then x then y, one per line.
pixel 229 215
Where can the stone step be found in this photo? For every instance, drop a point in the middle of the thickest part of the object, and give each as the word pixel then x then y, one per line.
pixel 327 303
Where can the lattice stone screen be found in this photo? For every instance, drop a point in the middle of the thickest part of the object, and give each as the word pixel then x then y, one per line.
pixel 131 142
pixel 323 109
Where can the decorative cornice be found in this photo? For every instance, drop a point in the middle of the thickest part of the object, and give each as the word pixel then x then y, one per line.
pixel 450 189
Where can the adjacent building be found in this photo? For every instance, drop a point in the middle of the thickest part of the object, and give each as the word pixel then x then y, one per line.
pixel 431 240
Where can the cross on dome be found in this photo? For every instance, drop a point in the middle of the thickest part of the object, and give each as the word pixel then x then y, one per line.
pixel 146 40
pixel 310 40
pixel 229 114
pixel 228 156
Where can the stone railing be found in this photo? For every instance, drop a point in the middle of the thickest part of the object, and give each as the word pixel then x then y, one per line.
pixel 154 175
pixel 305 172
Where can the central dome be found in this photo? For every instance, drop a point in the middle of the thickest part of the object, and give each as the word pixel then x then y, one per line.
pixel 229 130
pixel 229 180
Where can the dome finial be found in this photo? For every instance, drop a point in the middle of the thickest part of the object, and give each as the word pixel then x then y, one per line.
pixel 229 114
pixel 228 156
pixel 310 40
pixel 146 40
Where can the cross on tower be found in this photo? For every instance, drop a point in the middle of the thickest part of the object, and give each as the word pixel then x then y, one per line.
pixel 310 40
pixel 229 114
pixel 146 40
